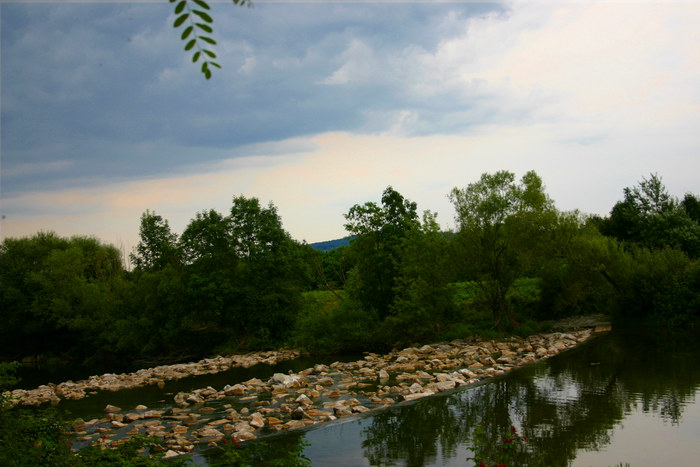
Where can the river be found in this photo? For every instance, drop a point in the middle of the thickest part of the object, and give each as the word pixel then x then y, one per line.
pixel 629 396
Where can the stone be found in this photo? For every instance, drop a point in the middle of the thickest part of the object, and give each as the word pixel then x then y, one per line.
pixel 79 425
pixel 342 411
pixel 235 390
pixel 112 408
pixel 257 420
pixel 243 436
pixel 209 432
pixel 445 385
pixel 325 381
pixel 132 417
pixel 418 395
pixel 303 400
pixel 194 399
pixel 383 376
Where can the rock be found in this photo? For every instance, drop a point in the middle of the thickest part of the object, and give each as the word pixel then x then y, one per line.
pixel 257 420
pixel 298 413
pixel 111 409
pixel 418 395
pixel 303 400
pixel 235 390
pixel 209 432
pixel 140 408
pixel 169 454
pixel 383 376
pixel 132 417
pixel 79 425
pixel 194 399
pixel 445 385
pixel 342 411
pixel 325 381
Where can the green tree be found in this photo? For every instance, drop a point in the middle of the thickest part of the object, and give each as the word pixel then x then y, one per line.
pixel 57 294
pixel 157 246
pixel 378 234
pixel 691 204
pixel 423 304
pixel 270 275
pixel 650 217
pixel 502 224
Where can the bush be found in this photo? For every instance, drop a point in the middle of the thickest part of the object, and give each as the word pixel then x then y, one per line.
pixel 332 323
pixel 678 302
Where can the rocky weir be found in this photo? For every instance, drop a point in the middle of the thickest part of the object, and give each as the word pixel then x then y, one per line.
pixel 246 410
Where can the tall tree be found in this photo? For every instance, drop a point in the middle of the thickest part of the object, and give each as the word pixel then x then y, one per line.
pixel 157 246
pixel 423 304
pixel 650 217
pixel 378 232
pixel 268 292
pixel 500 223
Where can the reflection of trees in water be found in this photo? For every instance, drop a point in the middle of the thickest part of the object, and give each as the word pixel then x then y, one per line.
pixel 410 434
pixel 563 405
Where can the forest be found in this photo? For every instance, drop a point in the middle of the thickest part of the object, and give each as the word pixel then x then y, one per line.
pixel 237 281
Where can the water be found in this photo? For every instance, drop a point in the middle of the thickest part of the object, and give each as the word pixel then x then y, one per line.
pixel 630 396
pixel 625 397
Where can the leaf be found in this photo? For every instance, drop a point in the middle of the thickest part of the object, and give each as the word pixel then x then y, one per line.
pixel 207 73
pixel 202 4
pixel 195 57
pixel 215 64
pixel 180 20
pixel 190 44
pixel 208 39
pixel 186 32
pixel 210 53
pixel 205 27
pixel 180 6
pixel 203 15
pixel 205 67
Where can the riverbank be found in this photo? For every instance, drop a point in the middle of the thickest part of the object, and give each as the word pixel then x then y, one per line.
pixel 250 409
pixel 245 410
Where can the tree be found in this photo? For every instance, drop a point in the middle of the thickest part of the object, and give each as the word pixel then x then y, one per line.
pixel 158 245
pixel 423 304
pixel 650 217
pixel 500 224
pixel 270 277
pixel 378 233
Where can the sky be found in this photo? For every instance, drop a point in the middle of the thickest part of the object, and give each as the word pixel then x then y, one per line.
pixel 320 106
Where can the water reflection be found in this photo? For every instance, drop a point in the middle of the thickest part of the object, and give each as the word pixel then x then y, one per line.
pixel 570 404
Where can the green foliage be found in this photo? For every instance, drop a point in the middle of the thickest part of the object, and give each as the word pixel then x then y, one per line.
pixel 678 303
pixel 333 323
pixel 196 24
pixel 423 304
pixel 502 225
pixel 157 247
pixel 650 217
pixel 640 275
pixel 509 451
pixel 258 453
pixel 55 290
pixel 378 236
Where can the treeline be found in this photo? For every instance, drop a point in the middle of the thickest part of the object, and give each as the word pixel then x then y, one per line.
pixel 239 281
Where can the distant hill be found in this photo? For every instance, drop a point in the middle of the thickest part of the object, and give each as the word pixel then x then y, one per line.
pixel 330 244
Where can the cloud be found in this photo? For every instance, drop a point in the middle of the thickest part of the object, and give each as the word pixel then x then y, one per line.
pixel 321 106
